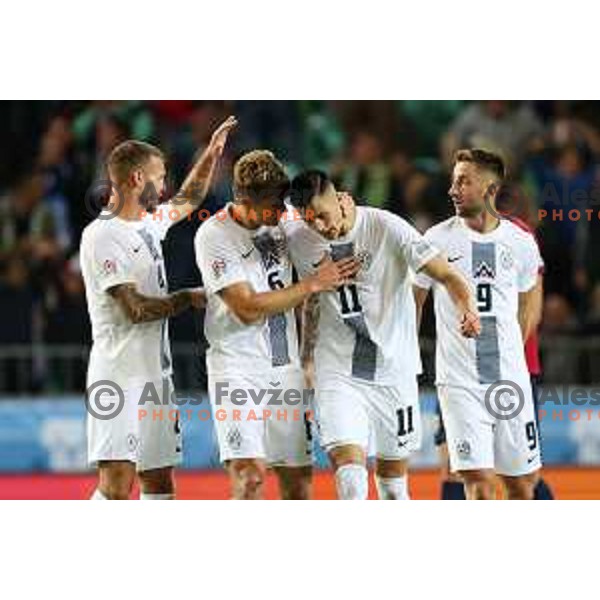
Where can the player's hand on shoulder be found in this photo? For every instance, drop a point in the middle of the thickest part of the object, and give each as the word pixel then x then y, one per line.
pixel 470 325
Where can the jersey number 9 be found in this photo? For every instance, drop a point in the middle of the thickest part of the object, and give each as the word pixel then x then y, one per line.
pixel 484 297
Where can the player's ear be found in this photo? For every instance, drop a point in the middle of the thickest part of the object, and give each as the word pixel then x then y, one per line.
pixel 136 177
pixel 491 189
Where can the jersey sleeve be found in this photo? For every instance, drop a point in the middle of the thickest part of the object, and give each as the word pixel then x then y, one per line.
pixel 111 263
pixel 415 248
pixel 292 234
pixel 530 264
pixel 218 259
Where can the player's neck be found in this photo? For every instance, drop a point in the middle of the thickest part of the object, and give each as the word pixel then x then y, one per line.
pixel 244 216
pixel 350 220
pixel 482 223
pixel 130 209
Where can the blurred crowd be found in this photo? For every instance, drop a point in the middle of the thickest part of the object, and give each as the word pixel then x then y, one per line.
pixel 394 155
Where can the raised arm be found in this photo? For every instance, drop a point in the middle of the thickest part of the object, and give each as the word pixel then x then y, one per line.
pixel 143 309
pixel 458 289
pixel 194 189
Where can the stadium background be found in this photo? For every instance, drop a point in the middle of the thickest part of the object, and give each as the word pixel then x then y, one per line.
pixel 392 154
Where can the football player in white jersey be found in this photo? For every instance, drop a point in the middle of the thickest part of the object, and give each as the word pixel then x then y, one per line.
pixel 366 352
pixel 255 379
pixel 128 302
pixel 483 384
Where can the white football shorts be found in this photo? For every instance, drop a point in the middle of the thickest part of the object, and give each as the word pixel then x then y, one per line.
pixel 384 420
pixel 147 434
pixel 499 434
pixel 265 416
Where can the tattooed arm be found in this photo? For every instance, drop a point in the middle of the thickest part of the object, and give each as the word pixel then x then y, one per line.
pixel 194 189
pixel 142 309
pixel 310 324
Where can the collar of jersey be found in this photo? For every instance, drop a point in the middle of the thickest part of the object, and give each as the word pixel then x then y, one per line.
pixel 477 234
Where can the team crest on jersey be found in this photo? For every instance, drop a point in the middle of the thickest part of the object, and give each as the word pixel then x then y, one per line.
pixel 484 270
pixel 506 260
pixel 219 266
pixel 463 448
pixel 365 259
pixel 234 438
pixel 132 442
pixel 272 248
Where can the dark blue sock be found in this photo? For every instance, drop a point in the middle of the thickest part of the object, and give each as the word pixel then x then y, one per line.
pixel 542 491
pixel 453 490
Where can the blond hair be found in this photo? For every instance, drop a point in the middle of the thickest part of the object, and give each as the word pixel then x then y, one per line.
pixel 258 175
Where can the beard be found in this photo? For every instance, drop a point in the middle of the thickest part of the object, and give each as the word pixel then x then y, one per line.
pixel 149 199
pixel 470 211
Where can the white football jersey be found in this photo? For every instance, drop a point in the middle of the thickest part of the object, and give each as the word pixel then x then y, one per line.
pixel 228 253
pixel 115 251
pixel 498 265
pixel 367 329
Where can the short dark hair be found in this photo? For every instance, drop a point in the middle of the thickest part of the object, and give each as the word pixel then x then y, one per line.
pixel 483 159
pixel 306 185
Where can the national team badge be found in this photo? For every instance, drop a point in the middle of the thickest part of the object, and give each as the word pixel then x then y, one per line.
pixel 506 260
pixel 463 448
pixel 365 259
pixel 234 439
pixel 132 442
pixel 219 266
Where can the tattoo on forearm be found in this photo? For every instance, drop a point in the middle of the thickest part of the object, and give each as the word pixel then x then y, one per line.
pixel 310 326
pixel 196 185
pixel 142 309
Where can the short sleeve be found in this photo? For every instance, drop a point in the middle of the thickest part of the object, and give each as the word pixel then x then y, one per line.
pixel 111 263
pixel 297 245
pixel 415 248
pixel 423 281
pixel 529 265
pixel 217 258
